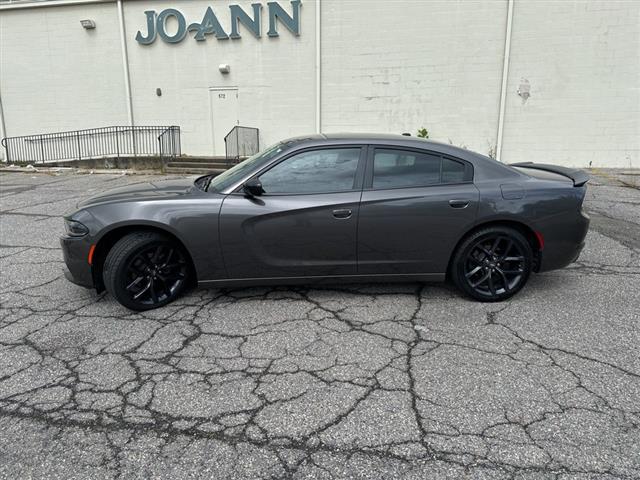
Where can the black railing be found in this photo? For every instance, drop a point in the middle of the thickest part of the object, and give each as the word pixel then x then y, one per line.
pixel 241 142
pixel 94 143
pixel 169 142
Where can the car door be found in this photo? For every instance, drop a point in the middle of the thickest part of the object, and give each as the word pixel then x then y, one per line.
pixel 305 222
pixel 415 207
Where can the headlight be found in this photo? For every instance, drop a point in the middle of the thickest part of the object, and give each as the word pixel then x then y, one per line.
pixel 75 229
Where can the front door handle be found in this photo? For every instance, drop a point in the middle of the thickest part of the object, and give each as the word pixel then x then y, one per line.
pixel 342 213
pixel 459 203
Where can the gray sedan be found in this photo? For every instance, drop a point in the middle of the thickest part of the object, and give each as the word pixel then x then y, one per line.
pixel 352 208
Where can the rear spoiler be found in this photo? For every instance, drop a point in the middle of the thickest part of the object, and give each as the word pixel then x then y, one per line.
pixel 579 177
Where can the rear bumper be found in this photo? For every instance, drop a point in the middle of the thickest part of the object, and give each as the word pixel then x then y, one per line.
pixel 559 259
pixel 564 245
pixel 76 252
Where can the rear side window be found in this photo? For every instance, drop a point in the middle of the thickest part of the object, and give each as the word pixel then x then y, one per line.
pixel 452 171
pixel 400 168
pixel 394 168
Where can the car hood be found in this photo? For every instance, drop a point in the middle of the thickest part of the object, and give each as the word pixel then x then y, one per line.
pixel 161 190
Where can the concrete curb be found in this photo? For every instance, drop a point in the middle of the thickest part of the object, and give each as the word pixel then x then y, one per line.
pixel 29 169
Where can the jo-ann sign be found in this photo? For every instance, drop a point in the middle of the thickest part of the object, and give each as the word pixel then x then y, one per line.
pixel 210 25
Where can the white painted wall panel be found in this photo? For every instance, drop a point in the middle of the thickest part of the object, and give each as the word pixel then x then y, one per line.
pixel 582 60
pixel 275 76
pixel 55 75
pixel 398 66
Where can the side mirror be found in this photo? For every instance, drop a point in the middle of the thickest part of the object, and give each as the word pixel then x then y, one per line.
pixel 253 187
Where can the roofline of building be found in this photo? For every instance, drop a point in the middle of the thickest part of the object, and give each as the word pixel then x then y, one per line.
pixel 21 5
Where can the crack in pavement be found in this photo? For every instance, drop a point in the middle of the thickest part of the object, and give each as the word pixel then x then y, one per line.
pixel 364 381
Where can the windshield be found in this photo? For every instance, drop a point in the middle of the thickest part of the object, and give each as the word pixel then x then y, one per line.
pixel 231 176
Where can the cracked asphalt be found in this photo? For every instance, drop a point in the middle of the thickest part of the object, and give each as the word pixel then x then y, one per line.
pixel 407 381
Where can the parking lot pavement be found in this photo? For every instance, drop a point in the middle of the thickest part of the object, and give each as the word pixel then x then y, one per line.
pixel 368 381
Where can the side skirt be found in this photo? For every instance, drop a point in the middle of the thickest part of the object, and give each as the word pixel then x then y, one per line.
pixel 315 280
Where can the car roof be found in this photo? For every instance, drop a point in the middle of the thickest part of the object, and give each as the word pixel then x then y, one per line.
pixel 379 138
pixel 360 137
pixel 485 167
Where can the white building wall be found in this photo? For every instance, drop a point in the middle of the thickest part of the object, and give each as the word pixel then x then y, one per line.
pixel 387 66
pixel 275 76
pixel 55 75
pixel 397 67
pixel 582 60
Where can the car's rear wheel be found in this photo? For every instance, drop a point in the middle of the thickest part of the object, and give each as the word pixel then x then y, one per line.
pixel 145 270
pixel 492 264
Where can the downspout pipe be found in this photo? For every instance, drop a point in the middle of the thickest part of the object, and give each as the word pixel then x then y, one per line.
pixel 505 78
pixel 318 68
pixel 125 63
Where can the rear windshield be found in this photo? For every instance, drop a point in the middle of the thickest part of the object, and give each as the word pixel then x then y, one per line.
pixel 542 174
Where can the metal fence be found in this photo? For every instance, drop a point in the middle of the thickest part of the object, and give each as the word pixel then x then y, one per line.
pixel 94 143
pixel 169 143
pixel 242 142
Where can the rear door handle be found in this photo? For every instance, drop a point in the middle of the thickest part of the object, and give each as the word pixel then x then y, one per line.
pixel 342 213
pixel 459 203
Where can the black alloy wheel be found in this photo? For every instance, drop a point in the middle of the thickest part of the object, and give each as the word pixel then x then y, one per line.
pixel 493 264
pixel 145 270
pixel 155 274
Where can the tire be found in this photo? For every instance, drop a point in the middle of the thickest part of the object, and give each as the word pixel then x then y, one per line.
pixel 145 270
pixel 492 264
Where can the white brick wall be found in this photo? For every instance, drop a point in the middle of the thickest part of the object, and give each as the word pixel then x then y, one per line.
pixel 582 60
pixel 275 76
pixel 387 66
pixel 55 75
pixel 399 66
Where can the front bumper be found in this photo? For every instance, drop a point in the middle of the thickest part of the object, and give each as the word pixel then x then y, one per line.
pixel 76 252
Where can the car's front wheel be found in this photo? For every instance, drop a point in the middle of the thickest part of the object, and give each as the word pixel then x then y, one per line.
pixel 492 264
pixel 145 270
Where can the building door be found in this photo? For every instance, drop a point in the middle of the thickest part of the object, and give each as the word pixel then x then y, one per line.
pixel 224 115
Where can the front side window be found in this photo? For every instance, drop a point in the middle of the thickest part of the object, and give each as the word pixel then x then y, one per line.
pixel 394 168
pixel 228 178
pixel 316 171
